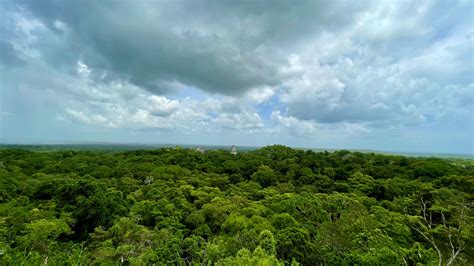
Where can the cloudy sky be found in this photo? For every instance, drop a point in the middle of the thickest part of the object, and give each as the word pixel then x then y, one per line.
pixel 385 75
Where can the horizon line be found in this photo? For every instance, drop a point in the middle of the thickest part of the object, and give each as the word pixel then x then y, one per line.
pixel 364 150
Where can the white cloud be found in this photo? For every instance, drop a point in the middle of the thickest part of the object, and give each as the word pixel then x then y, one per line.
pixel 161 106
pixel 316 91
pixel 240 121
pixel 304 128
pixel 83 70
pixel 260 95
pixel 94 119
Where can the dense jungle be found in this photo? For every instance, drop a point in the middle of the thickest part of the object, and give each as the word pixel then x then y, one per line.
pixel 271 206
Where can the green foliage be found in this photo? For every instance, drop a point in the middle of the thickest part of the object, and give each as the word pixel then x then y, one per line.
pixel 272 206
pixel 265 176
pixel 41 234
pixel 246 258
pixel 267 242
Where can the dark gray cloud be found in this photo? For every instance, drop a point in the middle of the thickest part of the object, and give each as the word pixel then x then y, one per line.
pixel 226 47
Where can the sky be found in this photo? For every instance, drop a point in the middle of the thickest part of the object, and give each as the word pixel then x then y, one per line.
pixel 382 75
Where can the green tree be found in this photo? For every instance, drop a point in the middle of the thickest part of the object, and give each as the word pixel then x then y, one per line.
pixel 265 176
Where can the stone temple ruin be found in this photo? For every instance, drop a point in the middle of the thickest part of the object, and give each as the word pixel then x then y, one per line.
pixel 233 150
